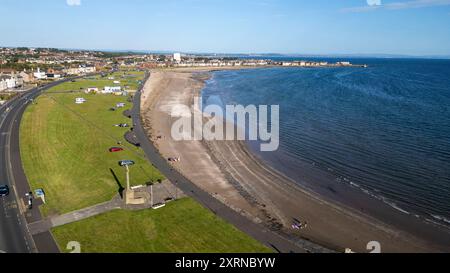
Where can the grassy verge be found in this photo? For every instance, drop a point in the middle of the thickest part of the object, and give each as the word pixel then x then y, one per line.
pixel 182 226
pixel 64 150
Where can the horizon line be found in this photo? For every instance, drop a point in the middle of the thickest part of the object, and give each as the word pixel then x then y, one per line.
pixel 147 51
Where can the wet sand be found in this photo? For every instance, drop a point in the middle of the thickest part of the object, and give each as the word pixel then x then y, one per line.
pixel 239 179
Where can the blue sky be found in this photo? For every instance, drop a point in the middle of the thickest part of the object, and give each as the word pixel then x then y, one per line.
pixel 413 27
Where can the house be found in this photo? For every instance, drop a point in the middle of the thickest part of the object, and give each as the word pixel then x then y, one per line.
pixel 7 71
pixel 27 77
pixel 3 84
pixel 53 76
pixel 19 81
pixel 72 71
pixel 80 70
pixel 40 75
pixel 10 82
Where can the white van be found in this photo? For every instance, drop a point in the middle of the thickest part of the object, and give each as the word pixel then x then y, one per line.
pixel 80 100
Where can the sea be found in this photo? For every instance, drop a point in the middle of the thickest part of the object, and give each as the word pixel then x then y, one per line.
pixel 355 134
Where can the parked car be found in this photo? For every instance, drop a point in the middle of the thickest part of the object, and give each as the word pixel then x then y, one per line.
pixel 29 197
pixel 4 190
pixel 122 125
pixel 126 163
pixel 115 149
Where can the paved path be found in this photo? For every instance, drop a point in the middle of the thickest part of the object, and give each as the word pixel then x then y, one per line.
pixel 46 224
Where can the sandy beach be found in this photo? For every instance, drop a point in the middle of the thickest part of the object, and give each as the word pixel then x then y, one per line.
pixel 236 177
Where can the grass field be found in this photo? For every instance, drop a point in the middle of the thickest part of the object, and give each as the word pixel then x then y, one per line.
pixel 64 150
pixel 182 226
pixel 128 80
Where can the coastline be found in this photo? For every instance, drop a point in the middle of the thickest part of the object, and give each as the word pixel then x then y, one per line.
pixel 234 175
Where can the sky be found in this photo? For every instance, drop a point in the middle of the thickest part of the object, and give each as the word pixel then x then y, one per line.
pixel 407 27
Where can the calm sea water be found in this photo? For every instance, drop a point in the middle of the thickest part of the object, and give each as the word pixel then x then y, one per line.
pixel 384 130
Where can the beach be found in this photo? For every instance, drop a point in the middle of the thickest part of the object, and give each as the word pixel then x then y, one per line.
pixel 236 177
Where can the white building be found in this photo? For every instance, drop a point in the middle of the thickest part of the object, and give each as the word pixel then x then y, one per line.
pixel 177 57
pixel 40 75
pixel 10 81
pixel 53 76
pixel 111 89
pixel 3 84
pixel 81 70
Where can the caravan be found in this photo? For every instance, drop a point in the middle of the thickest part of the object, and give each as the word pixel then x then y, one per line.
pixel 80 100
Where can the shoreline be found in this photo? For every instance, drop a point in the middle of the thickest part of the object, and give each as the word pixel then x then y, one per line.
pixel 247 184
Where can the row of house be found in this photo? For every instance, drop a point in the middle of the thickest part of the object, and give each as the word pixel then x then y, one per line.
pixel 220 63
pixel 320 64
pixel 81 70
pixel 10 81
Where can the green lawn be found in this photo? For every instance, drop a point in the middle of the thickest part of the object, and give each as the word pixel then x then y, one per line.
pixel 182 226
pixel 64 150
pixel 129 80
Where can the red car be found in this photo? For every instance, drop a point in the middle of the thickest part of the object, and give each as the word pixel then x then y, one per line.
pixel 115 149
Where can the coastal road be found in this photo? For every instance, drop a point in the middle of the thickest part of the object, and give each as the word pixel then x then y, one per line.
pixel 14 237
pixel 14 216
pixel 259 232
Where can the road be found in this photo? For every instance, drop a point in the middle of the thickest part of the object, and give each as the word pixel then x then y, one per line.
pixel 14 216
pixel 272 239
